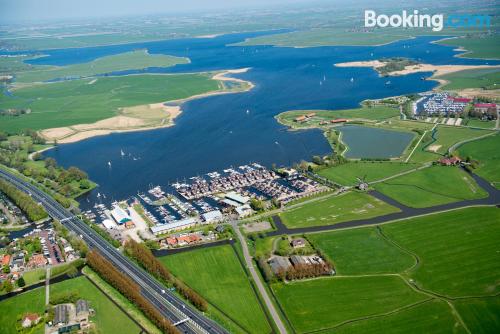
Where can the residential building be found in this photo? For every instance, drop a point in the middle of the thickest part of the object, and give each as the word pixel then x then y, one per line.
pixel 298 243
pixel 30 319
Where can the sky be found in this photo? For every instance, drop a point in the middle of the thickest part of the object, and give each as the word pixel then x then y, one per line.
pixel 12 11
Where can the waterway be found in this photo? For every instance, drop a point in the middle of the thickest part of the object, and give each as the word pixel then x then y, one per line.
pixel 216 132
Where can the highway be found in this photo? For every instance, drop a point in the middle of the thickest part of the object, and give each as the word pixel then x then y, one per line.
pixel 184 316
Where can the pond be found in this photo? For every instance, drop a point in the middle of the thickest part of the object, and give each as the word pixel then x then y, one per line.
pixel 367 142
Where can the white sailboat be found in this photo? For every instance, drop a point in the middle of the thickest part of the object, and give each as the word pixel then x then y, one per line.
pixel 248 111
pixel 109 163
pixel 122 153
pixel 352 79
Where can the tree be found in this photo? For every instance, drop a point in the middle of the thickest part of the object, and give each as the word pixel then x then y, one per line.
pixel 7 285
pixel 20 282
pixel 50 162
pixel 6 269
pixel 257 205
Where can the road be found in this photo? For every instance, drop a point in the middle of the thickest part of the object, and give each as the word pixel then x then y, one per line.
pixel 185 317
pixel 257 280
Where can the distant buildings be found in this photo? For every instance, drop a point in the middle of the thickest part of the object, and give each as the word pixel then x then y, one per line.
pixel 30 320
pixel 440 104
pixel 298 243
pixel 174 226
pixel 119 215
pixel 453 161
pixel 212 216
pixel 69 318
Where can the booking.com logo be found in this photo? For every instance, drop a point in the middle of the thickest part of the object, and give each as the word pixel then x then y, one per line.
pixel 415 20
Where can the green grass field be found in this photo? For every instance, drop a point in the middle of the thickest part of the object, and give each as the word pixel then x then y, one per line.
pixel 486 152
pixel 452 254
pixel 481 124
pixel 12 308
pixel 125 61
pixel 485 47
pixel 336 209
pixel 374 113
pixel 431 186
pixel 108 317
pixel 448 135
pixel 429 317
pixel 327 37
pixel 89 100
pixel 348 173
pixel 217 275
pixel 481 78
pixel 360 252
pixel 458 250
pixel 480 315
pixel 327 302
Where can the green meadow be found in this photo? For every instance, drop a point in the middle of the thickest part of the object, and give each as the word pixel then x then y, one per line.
pixel 348 173
pixel 457 250
pixel 448 135
pixel 327 302
pixel 486 47
pixel 486 152
pixel 133 60
pixel 89 100
pixel 361 251
pixel 218 276
pixel 431 186
pixel 420 275
pixel 336 209
pixel 373 113
pixel 480 78
pixel 108 317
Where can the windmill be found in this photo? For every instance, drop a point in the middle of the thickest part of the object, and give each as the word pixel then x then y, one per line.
pixel 362 184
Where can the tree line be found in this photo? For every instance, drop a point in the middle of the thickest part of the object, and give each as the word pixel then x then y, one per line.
pixel 149 262
pixel 129 289
pixel 33 210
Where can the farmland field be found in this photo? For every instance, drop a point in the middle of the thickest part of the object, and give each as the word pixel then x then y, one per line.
pixel 485 47
pixel 480 78
pixel 336 209
pixel 89 100
pixel 348 173
pixel 108 317
pixel 327 302
pixel 361 251
pixel 29 302
pixel 217 275
pixel 126 61
pixel 487 153
pixel 457 255
pixel 431 186
pixel 429 317
pixel 458 250
pixel 481 124
pixel 447 136
pixel 480 315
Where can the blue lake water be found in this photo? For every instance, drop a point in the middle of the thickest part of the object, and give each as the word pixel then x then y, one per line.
pixel 216 132
pixel 367 142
